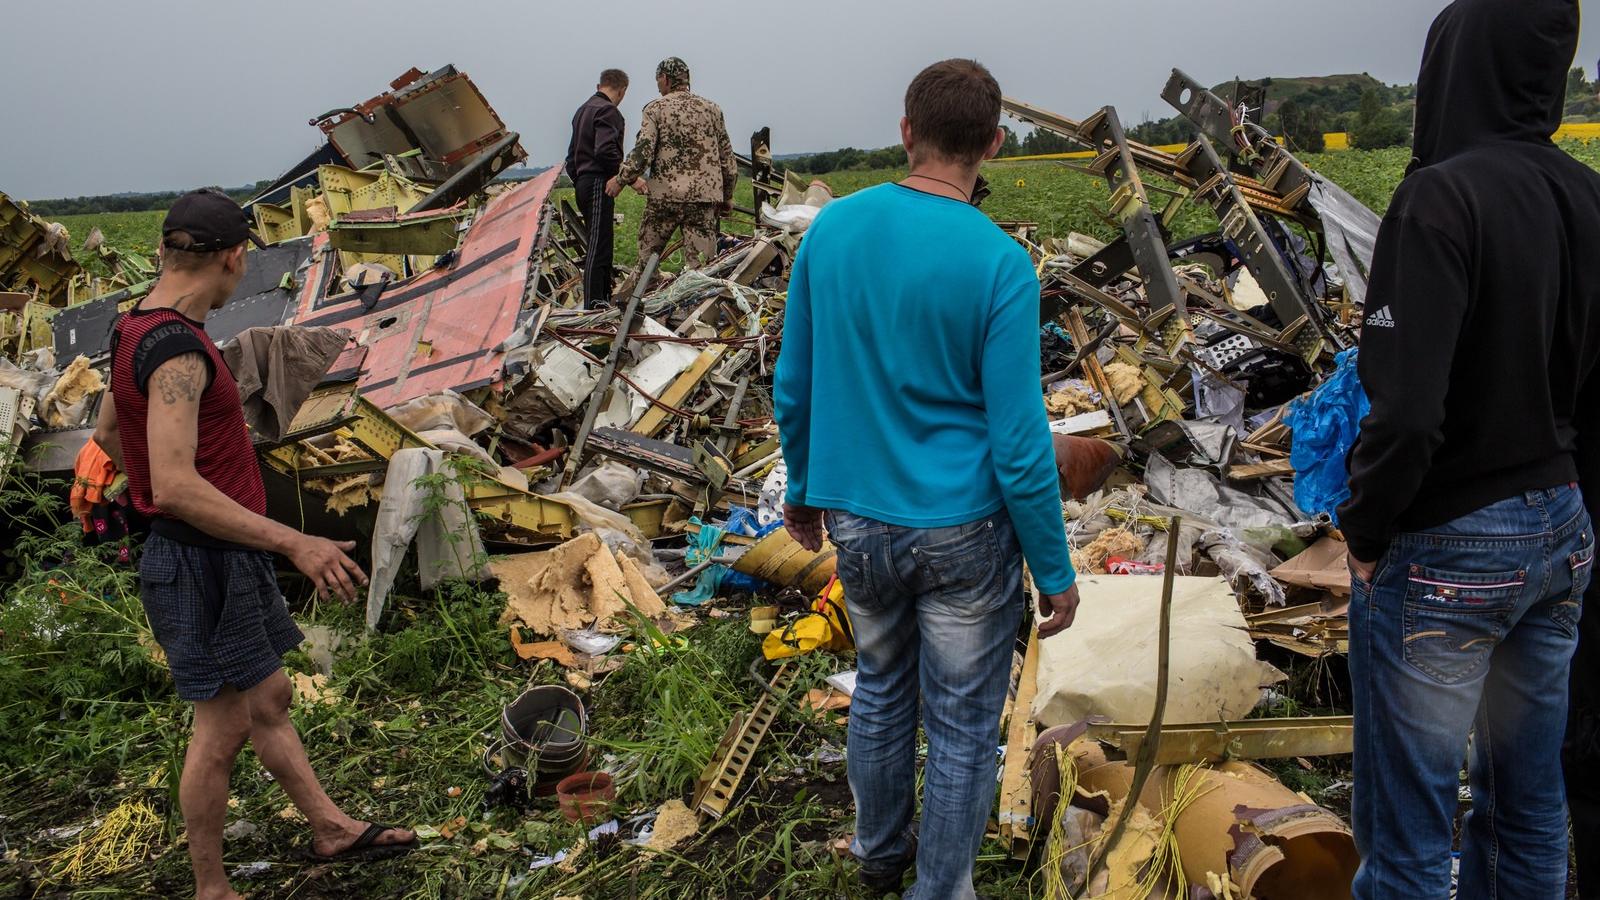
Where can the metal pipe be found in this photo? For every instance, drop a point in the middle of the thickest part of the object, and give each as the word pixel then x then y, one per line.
pixel 604 383
pixel 686 576
pixel 756 466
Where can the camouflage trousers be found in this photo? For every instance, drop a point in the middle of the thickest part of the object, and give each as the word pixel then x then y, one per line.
pixel 698 222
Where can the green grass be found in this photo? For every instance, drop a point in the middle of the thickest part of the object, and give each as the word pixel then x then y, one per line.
pixel 91 722
pixel 1058 198
pixel 135 232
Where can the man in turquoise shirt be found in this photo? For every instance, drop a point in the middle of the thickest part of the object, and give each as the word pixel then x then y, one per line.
pixel 908 402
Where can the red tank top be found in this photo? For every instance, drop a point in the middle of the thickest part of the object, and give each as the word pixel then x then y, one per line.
pixel 223 455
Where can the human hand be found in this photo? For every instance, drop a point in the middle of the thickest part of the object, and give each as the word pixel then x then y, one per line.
pixel 642 186
pixel 804 524
pixel 325 562
pixel 725 209
pixel 613 186
pixel 1363 570
pixel 1059 610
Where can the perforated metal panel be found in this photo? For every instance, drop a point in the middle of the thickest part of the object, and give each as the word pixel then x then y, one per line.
pixel 10 406
pixel 10 435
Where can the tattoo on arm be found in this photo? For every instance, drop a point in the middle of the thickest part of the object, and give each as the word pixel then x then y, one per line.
pixel 181 378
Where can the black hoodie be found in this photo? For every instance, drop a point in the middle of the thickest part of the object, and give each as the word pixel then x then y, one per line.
pixel 1482 324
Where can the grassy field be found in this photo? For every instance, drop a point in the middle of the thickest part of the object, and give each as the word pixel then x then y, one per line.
pixel 1050 193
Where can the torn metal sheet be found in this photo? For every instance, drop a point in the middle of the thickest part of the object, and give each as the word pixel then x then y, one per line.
pixel 1312 629
pixel 1352 233
pixel 661 457
pixel 265 296
pixel 34 254
pixel 442 113
pixel 1242 739
pixel 657 370
pixel 385 231
pixel 438 331
pixel 1201 493
pixel 1234 820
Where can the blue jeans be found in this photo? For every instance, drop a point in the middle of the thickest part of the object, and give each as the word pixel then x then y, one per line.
pixel 1468 627
pixel 935 612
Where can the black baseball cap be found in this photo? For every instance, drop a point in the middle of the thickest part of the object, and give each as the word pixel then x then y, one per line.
pixel 212 219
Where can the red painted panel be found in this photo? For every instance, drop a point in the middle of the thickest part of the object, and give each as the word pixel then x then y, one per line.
pixel 438 330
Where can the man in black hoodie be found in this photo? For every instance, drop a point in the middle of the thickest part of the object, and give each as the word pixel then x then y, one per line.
pixel 1470 545
pixel 593 156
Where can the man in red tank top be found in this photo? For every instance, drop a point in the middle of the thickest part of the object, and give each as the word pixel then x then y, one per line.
pixel 174 423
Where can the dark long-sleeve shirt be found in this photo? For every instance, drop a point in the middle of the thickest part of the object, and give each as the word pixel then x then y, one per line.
pixel 596 145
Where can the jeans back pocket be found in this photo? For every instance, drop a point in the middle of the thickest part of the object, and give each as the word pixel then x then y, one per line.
pixel 1454 620
pixel 1567 611
pixel 961 569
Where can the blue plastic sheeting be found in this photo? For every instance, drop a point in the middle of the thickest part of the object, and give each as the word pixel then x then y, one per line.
pixel 704 547
pixel 1325 425
pixel 741 521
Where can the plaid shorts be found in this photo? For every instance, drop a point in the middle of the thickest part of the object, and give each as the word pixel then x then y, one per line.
pixel 218 615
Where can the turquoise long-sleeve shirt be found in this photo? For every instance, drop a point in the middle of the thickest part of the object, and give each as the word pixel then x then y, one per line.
pixel 907 389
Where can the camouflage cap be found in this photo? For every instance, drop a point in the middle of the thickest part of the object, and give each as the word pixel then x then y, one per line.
pixel 674 70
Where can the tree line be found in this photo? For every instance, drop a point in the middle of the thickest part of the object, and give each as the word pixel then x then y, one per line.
pixel 1375 116
pixel 129 202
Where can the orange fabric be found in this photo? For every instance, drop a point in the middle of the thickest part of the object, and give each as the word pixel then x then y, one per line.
pixel 92 475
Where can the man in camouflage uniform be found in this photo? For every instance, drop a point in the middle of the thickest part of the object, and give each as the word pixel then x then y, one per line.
pixel 683 143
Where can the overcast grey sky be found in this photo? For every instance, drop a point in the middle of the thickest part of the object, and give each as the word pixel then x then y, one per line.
pixel 119 95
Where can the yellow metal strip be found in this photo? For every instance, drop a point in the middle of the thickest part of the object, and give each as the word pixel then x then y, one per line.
pixel 655 417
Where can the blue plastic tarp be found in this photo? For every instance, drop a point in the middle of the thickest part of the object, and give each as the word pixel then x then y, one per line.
pixel 1325 424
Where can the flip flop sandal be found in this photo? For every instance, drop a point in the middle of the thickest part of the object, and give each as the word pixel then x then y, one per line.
pixel 364 848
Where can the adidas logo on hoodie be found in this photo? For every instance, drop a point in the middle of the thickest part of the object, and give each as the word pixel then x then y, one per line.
pixel 1381 319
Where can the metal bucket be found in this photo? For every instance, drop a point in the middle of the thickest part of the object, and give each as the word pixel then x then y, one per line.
pixel 545 731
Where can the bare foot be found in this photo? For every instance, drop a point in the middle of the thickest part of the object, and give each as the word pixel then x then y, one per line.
pixel 341 838
pixel 223 893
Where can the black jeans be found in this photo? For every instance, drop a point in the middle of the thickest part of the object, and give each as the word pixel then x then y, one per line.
pixel 599 217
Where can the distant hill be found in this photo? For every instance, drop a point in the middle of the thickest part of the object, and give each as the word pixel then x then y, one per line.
pixel 1304 108
pixel 1281 89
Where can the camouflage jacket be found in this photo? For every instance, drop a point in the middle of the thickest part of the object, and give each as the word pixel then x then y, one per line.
pixel 684 150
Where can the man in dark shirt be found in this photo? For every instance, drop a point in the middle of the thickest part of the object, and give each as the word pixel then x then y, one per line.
pixel 1469 542
pixel 173 422
pixel 593 156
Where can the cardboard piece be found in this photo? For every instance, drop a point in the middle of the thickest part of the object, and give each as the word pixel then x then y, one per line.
pixel 1323 566
pixel 1105 664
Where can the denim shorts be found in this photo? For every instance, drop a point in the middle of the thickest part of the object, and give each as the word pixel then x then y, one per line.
pixel 217 614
